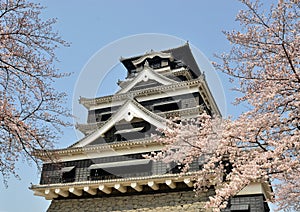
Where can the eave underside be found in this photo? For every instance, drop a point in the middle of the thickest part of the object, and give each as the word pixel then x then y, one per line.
pixel 105 187
pixel 127 185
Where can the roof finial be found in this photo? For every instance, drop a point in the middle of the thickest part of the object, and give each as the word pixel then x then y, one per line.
pixel 146 64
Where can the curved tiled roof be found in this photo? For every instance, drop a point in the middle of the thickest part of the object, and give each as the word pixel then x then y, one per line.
pixel 182 53
pixel 91 127
pixel 94 148
pixel 116 116
pixel 88 102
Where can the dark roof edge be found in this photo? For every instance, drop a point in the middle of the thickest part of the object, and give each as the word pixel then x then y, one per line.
pixel 183 53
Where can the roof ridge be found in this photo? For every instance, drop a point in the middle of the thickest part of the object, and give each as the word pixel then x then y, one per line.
pixel 151 51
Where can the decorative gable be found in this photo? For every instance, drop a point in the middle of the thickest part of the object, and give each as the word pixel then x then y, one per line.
pixel 129 110
pixel 146 75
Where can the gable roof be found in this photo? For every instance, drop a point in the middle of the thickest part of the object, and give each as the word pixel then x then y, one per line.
pixel 129 110
pixel 146 74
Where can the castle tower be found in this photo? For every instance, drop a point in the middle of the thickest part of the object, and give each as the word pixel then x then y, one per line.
pixel 107 171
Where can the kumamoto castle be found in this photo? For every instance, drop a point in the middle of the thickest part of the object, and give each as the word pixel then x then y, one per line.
pixel 107 171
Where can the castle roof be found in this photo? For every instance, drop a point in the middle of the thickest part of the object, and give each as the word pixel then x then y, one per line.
pixel 182 53
pixel 129 110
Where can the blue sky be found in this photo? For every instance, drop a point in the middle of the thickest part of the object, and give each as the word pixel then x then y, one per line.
pixel 91 25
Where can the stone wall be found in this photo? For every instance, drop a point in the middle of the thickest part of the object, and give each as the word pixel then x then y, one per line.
pixel 166 202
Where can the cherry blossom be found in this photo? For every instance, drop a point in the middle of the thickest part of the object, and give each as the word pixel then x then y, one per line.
pixel 31 111
pixel 262 144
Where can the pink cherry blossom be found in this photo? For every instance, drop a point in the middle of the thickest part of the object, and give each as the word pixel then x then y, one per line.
pixel 31 111
pixel 263 143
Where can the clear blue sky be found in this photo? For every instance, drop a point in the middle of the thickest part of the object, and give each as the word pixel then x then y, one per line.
pixel 92 24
